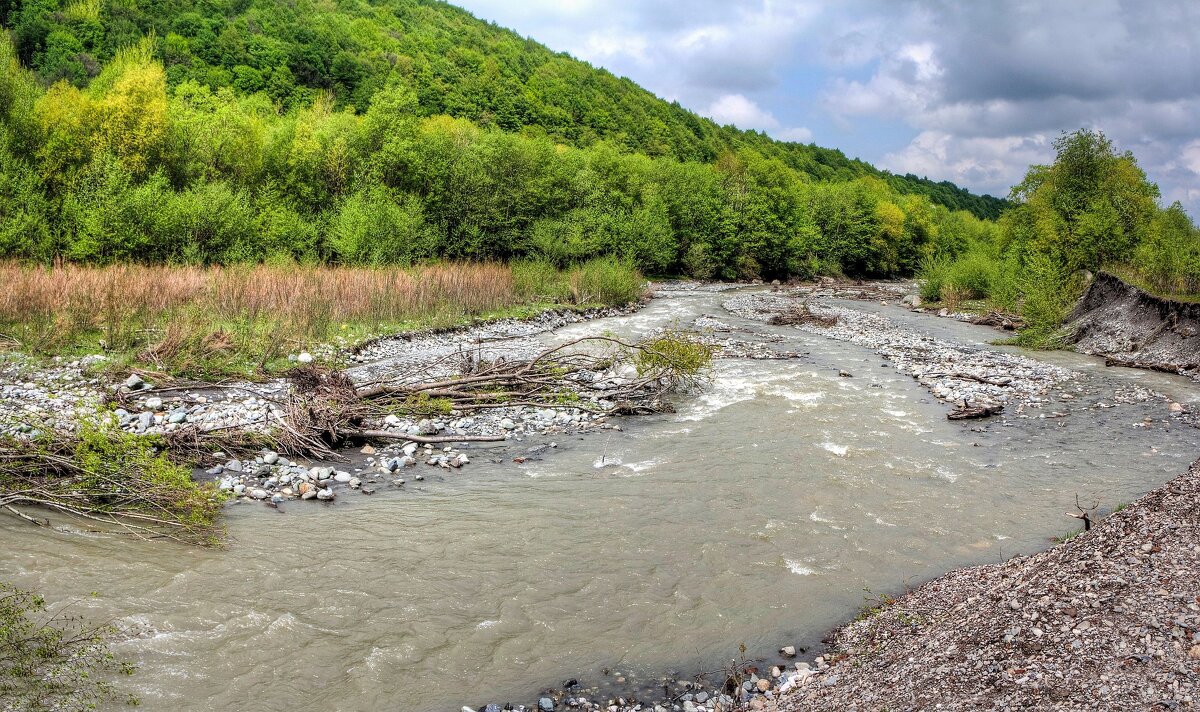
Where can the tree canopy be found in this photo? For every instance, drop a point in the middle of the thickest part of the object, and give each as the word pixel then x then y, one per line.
pixel 218 131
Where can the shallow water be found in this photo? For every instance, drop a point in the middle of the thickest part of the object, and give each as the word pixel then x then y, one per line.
pixel 757 514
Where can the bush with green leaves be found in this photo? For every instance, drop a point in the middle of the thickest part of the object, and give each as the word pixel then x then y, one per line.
pixel 55 661
pixel 606 281
pixel 107 476
pixel 1049 290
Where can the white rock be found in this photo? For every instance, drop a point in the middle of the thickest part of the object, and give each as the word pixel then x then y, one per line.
pixel 304 357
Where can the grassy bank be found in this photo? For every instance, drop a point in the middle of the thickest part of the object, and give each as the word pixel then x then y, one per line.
pixel 206 322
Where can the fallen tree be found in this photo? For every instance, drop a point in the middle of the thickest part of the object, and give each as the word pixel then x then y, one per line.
pixel 802 314
pixel 972 412
pixel 108 479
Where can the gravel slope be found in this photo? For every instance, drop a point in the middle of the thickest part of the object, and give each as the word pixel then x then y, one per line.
pixel 1109 620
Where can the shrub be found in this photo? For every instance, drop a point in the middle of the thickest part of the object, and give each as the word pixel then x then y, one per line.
pixel 606 281
pixel 53 662
pixel 972 275
pixel 540 281
pixel 932 276
pixel 1049 291
pixel 372 227
pixel 1006 285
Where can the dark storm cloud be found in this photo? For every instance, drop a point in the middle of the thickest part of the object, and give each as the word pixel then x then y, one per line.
pixel 1093 50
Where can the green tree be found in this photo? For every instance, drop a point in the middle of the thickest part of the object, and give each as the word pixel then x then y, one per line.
pixel 1089 208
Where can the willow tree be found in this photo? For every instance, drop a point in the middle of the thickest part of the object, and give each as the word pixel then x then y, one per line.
pixel 1091 207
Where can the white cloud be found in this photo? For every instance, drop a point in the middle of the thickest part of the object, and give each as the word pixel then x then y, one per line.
pixel 799 134
pixel 1189 157
pixel 601 46
pixel 741 112
pixel 984 86
pixel 991 164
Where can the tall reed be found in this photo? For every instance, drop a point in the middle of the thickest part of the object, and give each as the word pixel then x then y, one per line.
pixel 242 309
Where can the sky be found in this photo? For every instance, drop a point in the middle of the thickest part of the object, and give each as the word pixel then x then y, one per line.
pixel 972 91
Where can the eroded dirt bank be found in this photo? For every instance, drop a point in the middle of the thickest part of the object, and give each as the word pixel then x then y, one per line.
pixel 1132 328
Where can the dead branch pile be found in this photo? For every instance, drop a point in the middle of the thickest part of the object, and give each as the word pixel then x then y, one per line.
pixel 802 314
pixel 114 482
pixel 326 409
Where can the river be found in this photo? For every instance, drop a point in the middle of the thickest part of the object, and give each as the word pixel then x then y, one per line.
pixel 758 514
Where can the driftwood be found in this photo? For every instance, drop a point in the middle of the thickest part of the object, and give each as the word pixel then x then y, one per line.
pixel 327 409
pixel 1131 361
pixel 998 319
pixel 972 412
pixel 989 380
pixel 802 314
pixel 423 439
pixel 1084 514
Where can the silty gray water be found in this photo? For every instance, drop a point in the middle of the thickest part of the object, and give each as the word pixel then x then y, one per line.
pixel 757 514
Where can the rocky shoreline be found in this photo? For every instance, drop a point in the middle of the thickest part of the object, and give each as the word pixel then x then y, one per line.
pixel 957 375
pixel 969 379
pixel 36 396
pixel 1110 619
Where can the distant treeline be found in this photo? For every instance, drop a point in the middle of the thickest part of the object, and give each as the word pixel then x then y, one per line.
pixel 454 64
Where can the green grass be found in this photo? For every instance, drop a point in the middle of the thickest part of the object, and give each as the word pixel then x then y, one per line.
pixel 1130 275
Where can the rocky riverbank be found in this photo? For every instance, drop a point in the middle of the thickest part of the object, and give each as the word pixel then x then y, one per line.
pixel 1107 620
pixel 970 379
pixel 35 395
pixel 960 375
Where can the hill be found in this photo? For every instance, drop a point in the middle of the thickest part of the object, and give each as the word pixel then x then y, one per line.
pixel 266 69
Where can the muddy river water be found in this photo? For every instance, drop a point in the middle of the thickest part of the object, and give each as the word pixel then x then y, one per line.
pixel 757 514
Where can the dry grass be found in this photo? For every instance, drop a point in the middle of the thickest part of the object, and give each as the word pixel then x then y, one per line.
pixel 254 312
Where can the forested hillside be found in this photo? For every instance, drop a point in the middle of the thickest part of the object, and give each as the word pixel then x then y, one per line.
pixel 394 131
